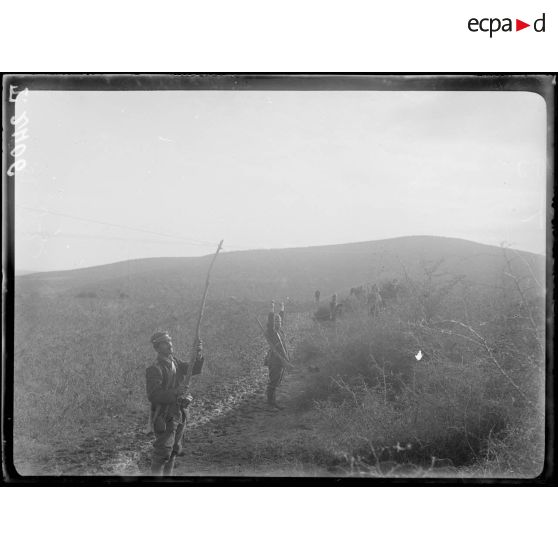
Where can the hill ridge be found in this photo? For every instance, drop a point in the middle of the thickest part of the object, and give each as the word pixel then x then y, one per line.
pixel 294 249
pixel 284 272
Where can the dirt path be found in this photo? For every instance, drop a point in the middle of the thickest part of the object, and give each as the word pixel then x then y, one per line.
pixel 235 433
pixel 245 436
pixel 254 439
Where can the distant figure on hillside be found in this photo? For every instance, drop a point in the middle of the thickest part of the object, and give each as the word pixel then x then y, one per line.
pixel 333 307
pixel 274 357
pixel 169 407
pixel 357 292
pixel 389 291
pixel 317 297
pixel 324 313
pixel 282 313
pixel 374 300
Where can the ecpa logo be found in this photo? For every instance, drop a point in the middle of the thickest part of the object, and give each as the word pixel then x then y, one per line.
pixel 494 24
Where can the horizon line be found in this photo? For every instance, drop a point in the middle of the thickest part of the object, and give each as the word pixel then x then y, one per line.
pixel 26 272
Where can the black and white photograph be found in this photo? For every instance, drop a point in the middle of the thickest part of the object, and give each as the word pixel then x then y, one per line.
pixel 279 276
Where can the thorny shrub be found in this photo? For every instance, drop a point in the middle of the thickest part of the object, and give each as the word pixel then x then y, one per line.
pixel 475 398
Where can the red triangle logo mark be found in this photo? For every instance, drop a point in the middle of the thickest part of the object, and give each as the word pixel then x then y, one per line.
pixel 519 25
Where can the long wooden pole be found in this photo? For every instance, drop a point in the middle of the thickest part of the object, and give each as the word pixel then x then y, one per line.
pixel 193 353
pixel 194 350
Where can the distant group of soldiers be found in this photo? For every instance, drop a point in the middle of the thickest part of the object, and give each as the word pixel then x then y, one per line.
pixel 376 297
pixel 330 312
pixel 373 297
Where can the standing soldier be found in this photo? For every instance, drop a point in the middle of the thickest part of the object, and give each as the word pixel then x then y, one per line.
pixel 374 300
pixel 276 338
pixel 317 297
pixel 333 307
pixel 169 407
pixel 282 313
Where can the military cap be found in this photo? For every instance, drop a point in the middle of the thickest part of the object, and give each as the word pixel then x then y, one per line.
pixel 160 336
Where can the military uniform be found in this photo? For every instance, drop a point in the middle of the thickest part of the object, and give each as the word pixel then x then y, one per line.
pixel 333 308
pixel 282 313
pixel 170 412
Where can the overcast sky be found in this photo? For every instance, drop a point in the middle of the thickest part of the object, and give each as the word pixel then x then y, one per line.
pixel 112 176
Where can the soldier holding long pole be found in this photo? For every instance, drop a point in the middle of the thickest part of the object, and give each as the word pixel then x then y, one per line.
pixel 169 407
pixel 167 383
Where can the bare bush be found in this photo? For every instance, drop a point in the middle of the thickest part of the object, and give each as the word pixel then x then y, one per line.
pixel 475 398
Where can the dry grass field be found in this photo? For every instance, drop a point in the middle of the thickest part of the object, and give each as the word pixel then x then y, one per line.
pixel 473 405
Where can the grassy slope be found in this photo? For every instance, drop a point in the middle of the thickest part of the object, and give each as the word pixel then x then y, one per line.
pixel 80 360
pixel 294 272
